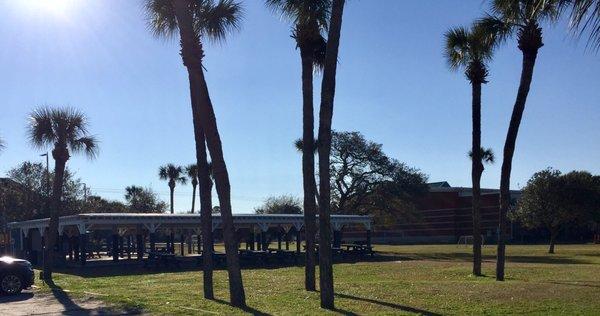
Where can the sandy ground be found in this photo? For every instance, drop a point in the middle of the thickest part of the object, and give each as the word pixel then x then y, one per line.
pixel 33 303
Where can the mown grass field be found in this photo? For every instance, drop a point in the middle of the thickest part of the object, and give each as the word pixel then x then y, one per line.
pixel 424 279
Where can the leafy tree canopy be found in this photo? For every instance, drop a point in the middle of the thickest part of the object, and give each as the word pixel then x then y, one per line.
pixel 366 181
pixel 283 204
pixel 552 199
pixel 143 200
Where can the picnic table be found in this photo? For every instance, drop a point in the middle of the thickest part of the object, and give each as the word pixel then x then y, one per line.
pixel 218 258
pixel 162 258
pixel 358 248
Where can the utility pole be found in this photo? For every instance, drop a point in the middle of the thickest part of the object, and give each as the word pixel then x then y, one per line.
pixel 85 192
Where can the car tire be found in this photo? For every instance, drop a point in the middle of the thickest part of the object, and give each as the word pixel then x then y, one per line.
pixel 11 284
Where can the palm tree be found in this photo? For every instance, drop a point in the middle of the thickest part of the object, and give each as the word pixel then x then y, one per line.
pixel 65 130
pixel 173 174
pixel 196 21
pixel 324 149
pixel 471 49
pixel 585 16
pixel 521 17
pixel 192 173
pixel 310 21
pixel 132 192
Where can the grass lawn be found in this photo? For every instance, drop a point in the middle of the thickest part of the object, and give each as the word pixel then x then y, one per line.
pixel 432 279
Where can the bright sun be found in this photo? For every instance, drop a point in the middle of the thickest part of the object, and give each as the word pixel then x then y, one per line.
pixel 54 7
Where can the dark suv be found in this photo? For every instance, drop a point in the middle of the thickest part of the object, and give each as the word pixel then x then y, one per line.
pixel 15 275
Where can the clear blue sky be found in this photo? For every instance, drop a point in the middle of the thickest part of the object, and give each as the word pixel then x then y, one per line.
pixel 393 86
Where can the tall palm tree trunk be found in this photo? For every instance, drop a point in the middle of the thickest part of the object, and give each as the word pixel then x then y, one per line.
pixel 171 242
pixel 205 204
pixel 308 167
pixel 192 54
pixel 476 171
pixel 325 117
pixel 193 197
pixel 60 155
pixel 530 50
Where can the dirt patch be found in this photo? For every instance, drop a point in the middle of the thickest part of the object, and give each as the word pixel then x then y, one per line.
pixel 34 303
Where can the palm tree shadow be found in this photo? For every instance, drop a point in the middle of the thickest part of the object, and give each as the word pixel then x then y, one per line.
pixel 72 308
pixel 386 304
pixel 246 309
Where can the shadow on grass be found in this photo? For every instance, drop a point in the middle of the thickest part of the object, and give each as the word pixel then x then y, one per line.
pixel 467 257
pixel 188 264
pixel 591 284
pixel 72 308
pixel 246 309
pixel 394 306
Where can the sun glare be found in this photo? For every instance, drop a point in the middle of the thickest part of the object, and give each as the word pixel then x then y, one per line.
pixel 54 7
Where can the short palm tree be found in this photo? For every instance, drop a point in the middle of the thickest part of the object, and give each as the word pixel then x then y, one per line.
pixel 132 192
pixel 195 22
pixel 192 173
pixel 65 130
pixel 132 195
pixel 309 18
pixel 523 18
pixel 173 175
pixel 324 149
pixel 471 49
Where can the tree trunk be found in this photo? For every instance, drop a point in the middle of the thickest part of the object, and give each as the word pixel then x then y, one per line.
pixel 171 242
pixel 476 171
pixel 172 191
pixel 60 155
pixel 194 193
pixel 553 234
pixel 205 210
pixel 325 118
pixel 529 57
pixel 308 167
pixel 192 54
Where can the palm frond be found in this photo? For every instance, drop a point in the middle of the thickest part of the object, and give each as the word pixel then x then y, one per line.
pixel 487 155
pixel 160 18
pixel 171 172
pixel 87 145
pixel 495 28
pixel 40 130
pixel 192 171
pixel 216 21
pixel 584 17
pixel 457 47
pixel 302 11
pixel 1 144
pixel 67 126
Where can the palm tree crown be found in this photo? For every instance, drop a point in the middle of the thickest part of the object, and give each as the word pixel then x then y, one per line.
pixel 172 173
pixel 469 49
pixel 522 17
pixel 212 19
pixel 131 192
pixel 63 128
pixel 310 19
pixel 192 173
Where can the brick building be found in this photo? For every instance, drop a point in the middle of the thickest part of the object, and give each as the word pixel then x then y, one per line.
pixel 445 215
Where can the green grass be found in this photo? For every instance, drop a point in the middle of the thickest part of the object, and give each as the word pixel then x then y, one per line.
pixel 411 279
